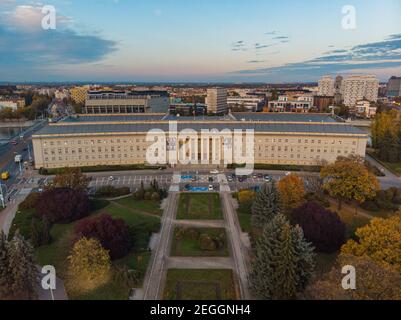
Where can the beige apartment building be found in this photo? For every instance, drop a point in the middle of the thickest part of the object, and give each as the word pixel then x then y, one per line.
pixel 296 139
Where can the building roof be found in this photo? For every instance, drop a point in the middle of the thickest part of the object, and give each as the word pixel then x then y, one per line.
pixel 285 117
pixel 198 126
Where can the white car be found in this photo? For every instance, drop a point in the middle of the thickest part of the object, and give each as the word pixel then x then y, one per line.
pixel 111 178
pixel 214 172
pixel 288 174
pixel 211 188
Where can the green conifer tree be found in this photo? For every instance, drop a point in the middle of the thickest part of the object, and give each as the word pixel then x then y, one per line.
pixel 283 263
pixel 23 267
pixel 266 205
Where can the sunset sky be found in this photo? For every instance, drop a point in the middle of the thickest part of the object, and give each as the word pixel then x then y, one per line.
pixel 198 40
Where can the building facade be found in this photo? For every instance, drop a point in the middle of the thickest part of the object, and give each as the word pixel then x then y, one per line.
pixel 326 86
pixel 125 102
pixel 360 87
pixel 78 94
pixel 246 103
pixel 216 101
pixel 12 102
pixel 394 87
pixel 297 139
pixel 299 104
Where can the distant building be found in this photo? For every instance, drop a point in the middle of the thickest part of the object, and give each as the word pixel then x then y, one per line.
pixel 365 108
pixel 187 109
pixel 338 85
pixel 78 94
pixel 62 94
pixel 12 102
pixel 247 103
pixel 109 102
pixel 326 86
pixel 394 87
pixel 288 104
pixel 322 103
pixel 216 101
pixel 360 87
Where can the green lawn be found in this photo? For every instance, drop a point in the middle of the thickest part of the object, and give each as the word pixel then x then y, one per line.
pixel 203 206
pixel 195 284
pixel 190 247
pixel 22 222
pixel 244 216
pixel 147 206
pixel 62 235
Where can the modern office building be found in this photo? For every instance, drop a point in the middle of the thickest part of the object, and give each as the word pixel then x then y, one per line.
pixel 299 104
pixel 246 103
pixel 216 101
pixel 326 86
pixel 109 102
pixel 394 87
pixel 269 138
pixel 359 87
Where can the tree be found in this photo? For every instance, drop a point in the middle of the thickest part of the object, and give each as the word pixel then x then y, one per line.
pixel 266 205
pixel 24 272
pixel 283 262
pixel 245 196
pixel 5 271
pixel 62 205
pixel 292 192
pixel 379 240
pixel 374 282
pixel 71 178
pixel 322 227
pixel 113 234
pixel 349 180
pixel 88 265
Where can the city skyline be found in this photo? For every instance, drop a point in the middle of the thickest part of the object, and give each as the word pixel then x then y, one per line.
pixel 177 41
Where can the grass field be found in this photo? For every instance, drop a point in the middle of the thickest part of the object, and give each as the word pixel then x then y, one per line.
pixel 146 206
pixel 199 206
pixel 244 216
pixel 62 235
pixel 194 284
pixel 189 247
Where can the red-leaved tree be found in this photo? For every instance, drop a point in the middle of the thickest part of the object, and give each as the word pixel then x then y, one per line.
pixel 322 227
pixel 63 205
pixel 113 234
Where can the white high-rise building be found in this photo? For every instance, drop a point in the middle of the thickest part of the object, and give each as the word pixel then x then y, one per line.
pixel 360 87
pixel 326 86
pixel 216 101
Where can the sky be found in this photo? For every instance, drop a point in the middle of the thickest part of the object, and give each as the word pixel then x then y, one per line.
pixel 199 40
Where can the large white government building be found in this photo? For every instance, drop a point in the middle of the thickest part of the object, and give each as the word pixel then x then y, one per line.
pixel 278 138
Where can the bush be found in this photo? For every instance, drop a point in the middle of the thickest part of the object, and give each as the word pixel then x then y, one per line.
pixel 62 205
pixel 112 192
pixel 246 196
pixel 113 234
pixel 389 200
pixel 30 202
pixel 322 227
pixel 207 243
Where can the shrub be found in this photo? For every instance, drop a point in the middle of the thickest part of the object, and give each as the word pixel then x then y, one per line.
pixel 207 243
pixel 322 227
pixel 245 196
pixel 113 234
pixel 62 205
pixel 30 202
pixel 155 196
pixel 110 191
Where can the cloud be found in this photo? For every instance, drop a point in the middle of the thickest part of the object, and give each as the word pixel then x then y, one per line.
pixel 239 46
pixel 280 38
pixel 24 44
pixel 256 61
pixel 375 55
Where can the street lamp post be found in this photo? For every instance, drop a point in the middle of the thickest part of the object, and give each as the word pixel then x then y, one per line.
pixel 2 194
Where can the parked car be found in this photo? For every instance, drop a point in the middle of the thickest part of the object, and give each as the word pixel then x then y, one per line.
pixel 211 179
pixel 211 188
pixel 230 179
pixel 111 178
pixel 214 172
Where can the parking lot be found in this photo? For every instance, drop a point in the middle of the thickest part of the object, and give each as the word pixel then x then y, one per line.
pixel 132 181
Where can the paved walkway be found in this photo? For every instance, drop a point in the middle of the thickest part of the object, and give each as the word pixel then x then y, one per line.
pixel 201 223
pixel 199 263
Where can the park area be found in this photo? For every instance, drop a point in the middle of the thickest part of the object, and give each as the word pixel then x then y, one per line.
pixel 199 206
pixel 196 284
pixel 199 242
pixel 142 217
